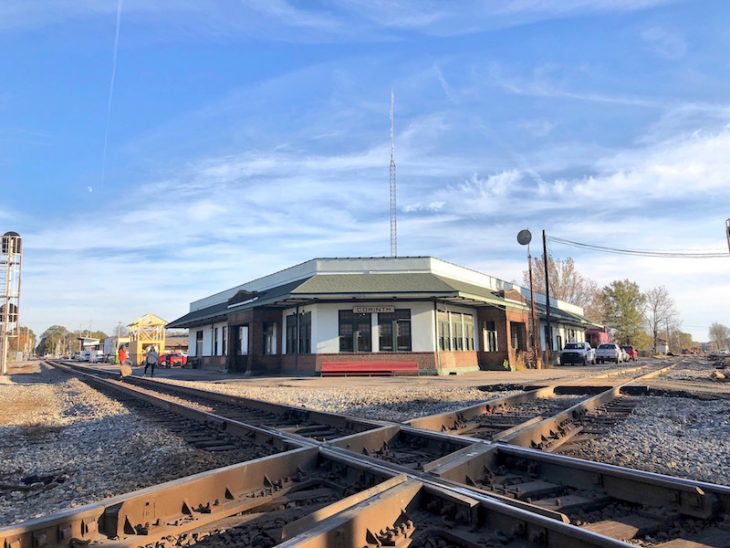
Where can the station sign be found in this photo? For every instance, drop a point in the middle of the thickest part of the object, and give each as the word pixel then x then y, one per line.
pixel 372 309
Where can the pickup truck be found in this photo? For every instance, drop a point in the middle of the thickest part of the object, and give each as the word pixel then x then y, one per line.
pixel 578 352
pixel 609 352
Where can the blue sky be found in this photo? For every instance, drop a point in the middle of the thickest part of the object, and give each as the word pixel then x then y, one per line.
pixel 247 136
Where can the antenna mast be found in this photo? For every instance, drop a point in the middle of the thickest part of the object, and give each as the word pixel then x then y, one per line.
pixel 393 226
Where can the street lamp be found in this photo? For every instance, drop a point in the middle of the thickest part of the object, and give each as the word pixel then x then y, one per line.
pixel 524 237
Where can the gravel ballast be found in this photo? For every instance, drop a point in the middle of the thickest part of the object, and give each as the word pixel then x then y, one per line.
pixel 695 370
pixel 681 437
pixel 395 403
pixel 65 444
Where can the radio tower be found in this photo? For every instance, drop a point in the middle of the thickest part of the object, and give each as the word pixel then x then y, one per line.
pixel 393 225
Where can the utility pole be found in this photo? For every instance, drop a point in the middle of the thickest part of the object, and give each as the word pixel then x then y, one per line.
pixel 524 237
pixel 549 334
pixel 535 325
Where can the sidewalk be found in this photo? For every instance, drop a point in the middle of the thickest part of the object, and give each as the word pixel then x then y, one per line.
pixel 479 378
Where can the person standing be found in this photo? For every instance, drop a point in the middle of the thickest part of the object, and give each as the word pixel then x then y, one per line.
pixel 151 360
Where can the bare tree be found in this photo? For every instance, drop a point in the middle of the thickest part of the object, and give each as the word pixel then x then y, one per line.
pixel 719 335
pixel 567 284
pixel 660 312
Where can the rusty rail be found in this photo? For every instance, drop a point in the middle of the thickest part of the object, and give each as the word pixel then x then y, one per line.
pixel 552 432
pixel 452 492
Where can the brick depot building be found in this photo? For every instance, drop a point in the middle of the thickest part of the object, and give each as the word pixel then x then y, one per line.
pixel 431 314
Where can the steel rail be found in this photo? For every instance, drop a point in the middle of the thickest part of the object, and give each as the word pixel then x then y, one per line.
pixel 212 420
pixel 551 432
pixel 139 515
pixel 427 478
pixel 323 417
pixel 545 521
pixel 457 422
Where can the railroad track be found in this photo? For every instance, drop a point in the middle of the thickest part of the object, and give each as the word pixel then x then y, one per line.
pixel 385 485
pixel 317 425
pixel 542 418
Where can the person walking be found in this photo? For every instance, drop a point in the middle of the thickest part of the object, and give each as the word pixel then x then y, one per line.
pixel 122 355
pixel 151 360
pixel 124 369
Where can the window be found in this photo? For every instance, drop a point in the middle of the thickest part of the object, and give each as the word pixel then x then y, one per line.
pixel 291 334
pixel 304 341
pixel 444 333
pixel 468 332
pixel 395 331
pixel 305 333
pixel 242 346
pixel 269 331
pixel 548 339
pixel 198 343
pixel 215 341
pixel 518 334
pixel 457 332
pixel 224 340
pixel 490 336
pixel 560 342
pixel 355 332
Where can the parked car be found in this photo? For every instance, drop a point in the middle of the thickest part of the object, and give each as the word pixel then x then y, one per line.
pixel 578 352
pixel 172 360
pixel 609 352
pixel 631 352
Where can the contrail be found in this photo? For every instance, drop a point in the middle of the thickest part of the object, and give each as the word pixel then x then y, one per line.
pixel 111 91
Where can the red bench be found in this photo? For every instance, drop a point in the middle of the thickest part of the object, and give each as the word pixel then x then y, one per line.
pixel 331 369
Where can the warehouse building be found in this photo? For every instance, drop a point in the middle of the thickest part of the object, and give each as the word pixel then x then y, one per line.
pixel 418 314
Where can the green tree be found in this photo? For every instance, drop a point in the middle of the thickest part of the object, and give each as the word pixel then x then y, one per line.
pixel 642 340
pixel 623 305
pixel 55 340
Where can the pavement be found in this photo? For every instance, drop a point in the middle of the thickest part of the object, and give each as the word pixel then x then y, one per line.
pixel 479 378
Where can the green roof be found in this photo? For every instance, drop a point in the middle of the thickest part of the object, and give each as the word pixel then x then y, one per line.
pixel 361 286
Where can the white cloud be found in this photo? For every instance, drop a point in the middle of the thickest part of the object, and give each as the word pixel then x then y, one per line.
pixel 345 19
pixel 543 83
pixel 664 42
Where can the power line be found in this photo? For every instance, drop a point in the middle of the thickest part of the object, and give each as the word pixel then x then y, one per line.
pixel 640 253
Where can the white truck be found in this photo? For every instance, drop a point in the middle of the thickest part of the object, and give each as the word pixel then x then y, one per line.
pixel 609 352
pixel 578 352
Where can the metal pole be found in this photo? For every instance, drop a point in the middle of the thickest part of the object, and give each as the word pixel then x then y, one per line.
pixel 6 308
pixel 549 334
pixel 535 328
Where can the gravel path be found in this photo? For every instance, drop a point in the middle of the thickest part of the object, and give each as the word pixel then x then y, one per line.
pixel 65 444
pixel 676 436
pixel 392 403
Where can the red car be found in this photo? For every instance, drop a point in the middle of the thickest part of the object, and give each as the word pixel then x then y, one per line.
pixel 631 351
pixel 172 360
